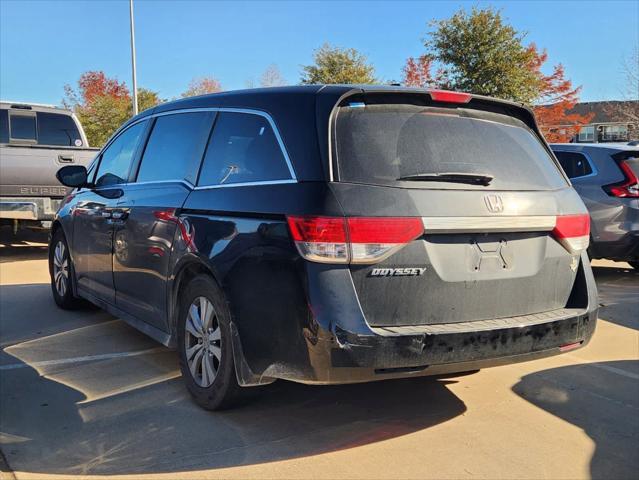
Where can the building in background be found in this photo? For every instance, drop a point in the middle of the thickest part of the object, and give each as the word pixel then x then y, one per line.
pixel 612 121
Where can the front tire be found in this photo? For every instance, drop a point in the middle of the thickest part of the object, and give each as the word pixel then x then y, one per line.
pixel 204 343
pixel 61 272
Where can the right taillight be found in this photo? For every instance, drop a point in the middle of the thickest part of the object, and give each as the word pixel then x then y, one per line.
pixel 628 187
pixel 353 239
pixel 573 232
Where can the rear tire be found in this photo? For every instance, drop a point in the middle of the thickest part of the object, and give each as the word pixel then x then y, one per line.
pixel 62 273
pixel 205 347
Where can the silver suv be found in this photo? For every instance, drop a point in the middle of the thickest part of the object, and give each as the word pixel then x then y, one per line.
pixel 606 177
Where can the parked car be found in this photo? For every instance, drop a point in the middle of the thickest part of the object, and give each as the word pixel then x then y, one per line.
pixel 607 178
pixel 330 234
pixel 35 141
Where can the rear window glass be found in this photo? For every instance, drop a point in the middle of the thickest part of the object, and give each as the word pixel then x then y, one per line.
pixel 57 129
pixel 379 144
pixel 574 164
pixel 23 127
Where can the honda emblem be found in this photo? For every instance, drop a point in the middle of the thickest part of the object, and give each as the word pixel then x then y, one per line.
pixel 494 203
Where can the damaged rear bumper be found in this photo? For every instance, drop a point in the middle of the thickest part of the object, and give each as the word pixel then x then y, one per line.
pixel 345 357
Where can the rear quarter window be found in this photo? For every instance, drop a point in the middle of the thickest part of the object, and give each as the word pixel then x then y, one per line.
pixel 379 144
pixel 243 149
pixel 574 164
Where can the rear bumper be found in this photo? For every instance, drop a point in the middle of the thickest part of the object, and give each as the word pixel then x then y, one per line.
pixel 350 358
pixel 34 208
pixel 627 248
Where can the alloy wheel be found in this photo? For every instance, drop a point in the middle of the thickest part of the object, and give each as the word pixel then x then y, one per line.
pixel 60 269
pixel 203 342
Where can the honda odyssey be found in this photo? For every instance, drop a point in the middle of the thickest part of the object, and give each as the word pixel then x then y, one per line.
pixel 329 234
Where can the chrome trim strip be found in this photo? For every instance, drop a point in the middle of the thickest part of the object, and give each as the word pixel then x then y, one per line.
pixel 482 325
pixel 531 223
pixel 245 184
pixel 247 111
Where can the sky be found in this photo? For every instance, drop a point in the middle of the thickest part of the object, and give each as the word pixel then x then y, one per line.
pixel 47 44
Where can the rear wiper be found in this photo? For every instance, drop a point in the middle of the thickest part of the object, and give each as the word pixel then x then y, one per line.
pixel 470 178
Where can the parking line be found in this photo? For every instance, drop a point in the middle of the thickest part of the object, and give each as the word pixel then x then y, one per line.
pixel 87 358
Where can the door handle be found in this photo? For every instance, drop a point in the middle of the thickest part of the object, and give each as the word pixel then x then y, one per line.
pixel 119 214
pixel 65 158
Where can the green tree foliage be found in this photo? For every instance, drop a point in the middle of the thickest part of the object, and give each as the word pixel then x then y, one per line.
pixel 338 65
pixel 102 104
pixel 480 53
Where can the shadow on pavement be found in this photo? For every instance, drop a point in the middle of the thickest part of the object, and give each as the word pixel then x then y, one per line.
pixel 49 427
pixel 124 413
pixel 618 295
pixel 25 245
pixel 600 398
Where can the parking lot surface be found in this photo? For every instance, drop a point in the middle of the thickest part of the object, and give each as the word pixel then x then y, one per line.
pixel 83 394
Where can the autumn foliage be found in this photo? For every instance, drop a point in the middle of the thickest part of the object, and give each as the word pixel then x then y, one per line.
pixel 556 99
pixel 103 104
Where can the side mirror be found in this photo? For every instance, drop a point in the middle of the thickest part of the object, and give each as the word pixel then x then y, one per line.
pixel 72 176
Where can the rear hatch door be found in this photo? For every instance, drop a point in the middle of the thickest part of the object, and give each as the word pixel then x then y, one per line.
pixel 488 193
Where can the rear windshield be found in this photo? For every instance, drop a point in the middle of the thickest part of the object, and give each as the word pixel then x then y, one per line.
pixel 379 144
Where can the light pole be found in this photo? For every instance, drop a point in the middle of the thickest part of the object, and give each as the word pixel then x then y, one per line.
pixel 135 82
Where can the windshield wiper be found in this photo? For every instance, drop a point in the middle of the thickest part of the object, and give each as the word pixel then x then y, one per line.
pixel 469 178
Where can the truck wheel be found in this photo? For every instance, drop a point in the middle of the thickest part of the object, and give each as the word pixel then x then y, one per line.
pixel 61 272
pixel 204 343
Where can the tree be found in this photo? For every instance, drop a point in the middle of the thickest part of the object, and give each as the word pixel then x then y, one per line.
pixel 338 65
pixel 479 52
pixel 555 100
pixel 417 72
pixel 272 77
pixel 147 99
pixel 202 86
pixel 628 108
pixel 102 104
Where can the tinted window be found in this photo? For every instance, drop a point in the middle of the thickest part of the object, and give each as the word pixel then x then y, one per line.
pixel 243 148
pixel 23 127
pixel 117 158
pixel 378 144
pixel 175 147
pixel 57 129
pixel 4 126
pixel 574 164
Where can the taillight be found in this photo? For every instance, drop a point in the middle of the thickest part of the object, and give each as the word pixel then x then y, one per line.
pixel 449 97
pixel 354 240
pixel 573 232
pixel 629 187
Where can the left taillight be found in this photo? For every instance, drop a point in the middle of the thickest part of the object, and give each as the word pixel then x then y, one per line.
pixel 573 232
pixel 353 239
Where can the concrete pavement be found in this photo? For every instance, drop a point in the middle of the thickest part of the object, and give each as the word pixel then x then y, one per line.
pixel 83 394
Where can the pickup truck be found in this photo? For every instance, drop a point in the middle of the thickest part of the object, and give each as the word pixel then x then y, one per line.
pixel 35 141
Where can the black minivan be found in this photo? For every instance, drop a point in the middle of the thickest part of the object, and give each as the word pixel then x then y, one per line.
pixel 329 234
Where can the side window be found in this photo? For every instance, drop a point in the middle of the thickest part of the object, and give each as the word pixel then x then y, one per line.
pixel 574 164
pixel 117 158
pixel 4 126
pixel 175 147
pixel 23 126
pixel 243 148
pixel 57 129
